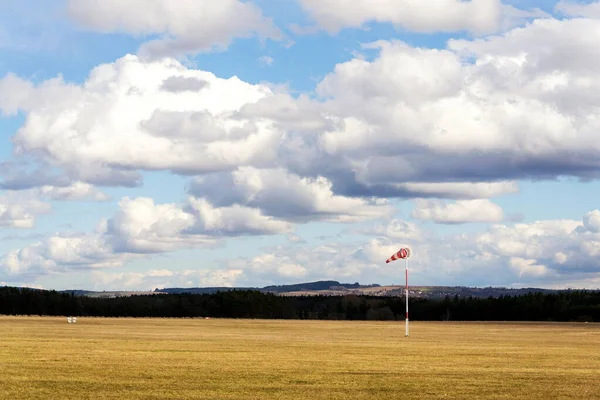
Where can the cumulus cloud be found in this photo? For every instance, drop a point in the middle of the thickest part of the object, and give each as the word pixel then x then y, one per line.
pixel 548 253
pixel 465 122
pixel 591 221
pixel 186 26
pixel 140 228
pixel 283 195
pixel 163 278
pixel 79 129
pixel 459 212
pixel 330 261
pixel 500 108
pixel 60 253
pixel 475 16
pixel 19 210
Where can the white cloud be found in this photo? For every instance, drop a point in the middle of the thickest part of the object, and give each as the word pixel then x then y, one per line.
pixel 283 195
pixel 233 220
pixel 476 16
pixel 160 279
pixel 591 221
pixel 59 254
pixel 19 210
pixel 75 191
pixel 459 212
pixel 528 267
pixel 266 60
pixel 551 253
pixel 397 229
pixel 501 108
pixel 332 261
pixel 187 26
pixel 14 93
pixel 80 128
pixel 140 227
pixel 578 9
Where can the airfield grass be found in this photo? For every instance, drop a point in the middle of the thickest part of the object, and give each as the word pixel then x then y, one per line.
pixel 97 358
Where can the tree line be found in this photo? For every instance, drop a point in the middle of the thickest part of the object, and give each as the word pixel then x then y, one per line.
pixel 572 305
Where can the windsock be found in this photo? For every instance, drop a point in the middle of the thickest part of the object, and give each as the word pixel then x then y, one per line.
pixel 403 253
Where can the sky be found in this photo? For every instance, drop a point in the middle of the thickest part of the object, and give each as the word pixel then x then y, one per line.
pixel 185 143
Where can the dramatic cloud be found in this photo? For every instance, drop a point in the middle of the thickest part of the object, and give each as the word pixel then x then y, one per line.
pixel 187 26
pixel 475 16
pixel 459 212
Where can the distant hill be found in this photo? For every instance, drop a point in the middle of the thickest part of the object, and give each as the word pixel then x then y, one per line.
pixel 335 288
pixel 299 287
pixel 106 293
pixel 319 285
pixel 201 290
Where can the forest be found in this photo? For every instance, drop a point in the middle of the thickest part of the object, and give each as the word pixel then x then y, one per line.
pixel 570 305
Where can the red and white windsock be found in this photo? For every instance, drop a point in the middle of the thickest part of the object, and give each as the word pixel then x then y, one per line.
pixel 403 253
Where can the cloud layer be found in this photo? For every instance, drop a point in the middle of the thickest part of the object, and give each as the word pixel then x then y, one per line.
pixel 449 129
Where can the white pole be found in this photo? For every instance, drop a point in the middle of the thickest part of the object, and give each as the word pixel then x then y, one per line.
pixel 406 270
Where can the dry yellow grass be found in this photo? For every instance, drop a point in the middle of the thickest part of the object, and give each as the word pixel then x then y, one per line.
pixel 46 358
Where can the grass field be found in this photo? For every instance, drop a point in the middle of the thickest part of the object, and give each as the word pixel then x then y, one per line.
pixel 46 358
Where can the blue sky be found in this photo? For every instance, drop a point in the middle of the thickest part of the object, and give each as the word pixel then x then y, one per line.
pixel 507 196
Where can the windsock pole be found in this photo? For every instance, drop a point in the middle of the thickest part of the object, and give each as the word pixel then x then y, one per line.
pixel 406 271
pixel 402 253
